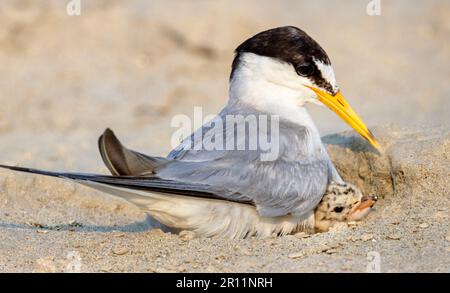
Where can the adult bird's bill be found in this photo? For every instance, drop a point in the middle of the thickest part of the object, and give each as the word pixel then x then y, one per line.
pixel 339 105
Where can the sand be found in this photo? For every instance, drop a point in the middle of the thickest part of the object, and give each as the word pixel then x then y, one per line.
pixel 133 66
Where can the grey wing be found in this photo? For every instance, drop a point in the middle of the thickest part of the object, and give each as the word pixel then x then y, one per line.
pixel 276 189
pixel 292 183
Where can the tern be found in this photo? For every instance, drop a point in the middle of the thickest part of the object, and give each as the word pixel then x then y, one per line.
pixel 233 192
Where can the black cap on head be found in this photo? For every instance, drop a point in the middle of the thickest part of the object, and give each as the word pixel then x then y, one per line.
pixel 291 45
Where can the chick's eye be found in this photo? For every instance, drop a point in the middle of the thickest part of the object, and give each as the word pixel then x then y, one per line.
pixel 305 69
pixel 338 209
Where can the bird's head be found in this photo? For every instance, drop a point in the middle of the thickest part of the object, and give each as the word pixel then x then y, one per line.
pixel 282 68
pixel 342 203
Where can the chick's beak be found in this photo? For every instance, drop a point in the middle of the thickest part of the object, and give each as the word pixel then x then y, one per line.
pixel 360 211
pixel 339 105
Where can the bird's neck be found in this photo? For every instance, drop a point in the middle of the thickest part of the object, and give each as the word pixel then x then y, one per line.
pixel 293 117
pixel 248 90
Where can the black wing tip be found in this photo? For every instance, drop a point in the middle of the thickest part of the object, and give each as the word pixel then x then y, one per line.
pixel 109 137
pixel 108 143
pixel 62 175
pixel 31 170
pixel 108 131
pixel 106 135
pixel 15 168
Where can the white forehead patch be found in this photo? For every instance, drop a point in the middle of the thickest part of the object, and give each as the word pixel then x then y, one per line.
pixel 327 73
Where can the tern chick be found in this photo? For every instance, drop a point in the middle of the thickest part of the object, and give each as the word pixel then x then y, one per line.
pixel 342 202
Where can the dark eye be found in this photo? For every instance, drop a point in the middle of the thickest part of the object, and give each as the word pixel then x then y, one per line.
pixel 338 209
pixel 305 69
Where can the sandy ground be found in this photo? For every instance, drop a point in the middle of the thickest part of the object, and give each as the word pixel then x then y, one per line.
pixel 133 65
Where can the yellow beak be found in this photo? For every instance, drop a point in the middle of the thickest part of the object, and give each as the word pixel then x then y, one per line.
pixel 339 105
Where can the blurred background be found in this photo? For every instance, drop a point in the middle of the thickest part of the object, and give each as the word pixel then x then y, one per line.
pixel 133 65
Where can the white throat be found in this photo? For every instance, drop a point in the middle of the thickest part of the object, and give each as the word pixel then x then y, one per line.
pixel 273 87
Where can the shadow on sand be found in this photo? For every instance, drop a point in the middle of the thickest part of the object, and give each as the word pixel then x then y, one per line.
pixel 142 226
